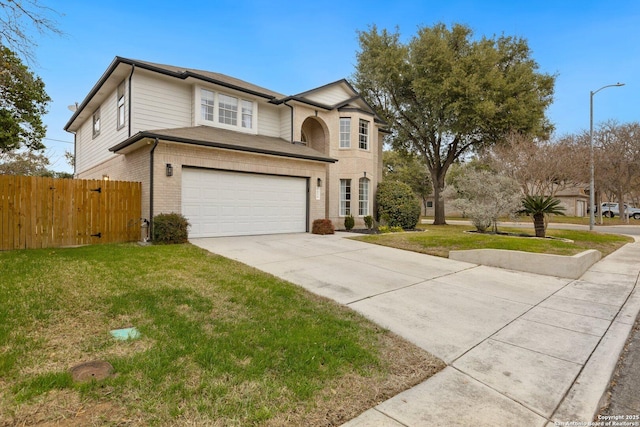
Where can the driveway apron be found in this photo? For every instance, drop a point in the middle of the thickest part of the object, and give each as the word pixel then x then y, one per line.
pixel 521 348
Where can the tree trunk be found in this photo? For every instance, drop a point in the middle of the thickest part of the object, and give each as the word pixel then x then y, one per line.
pixel 621 209
pixel 538 224
pixel 438 198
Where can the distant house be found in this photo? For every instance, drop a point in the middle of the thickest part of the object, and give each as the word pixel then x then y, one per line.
pixel 574 200
pixel 233 157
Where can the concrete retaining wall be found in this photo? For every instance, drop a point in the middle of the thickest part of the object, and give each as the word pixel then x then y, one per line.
pixel 571 267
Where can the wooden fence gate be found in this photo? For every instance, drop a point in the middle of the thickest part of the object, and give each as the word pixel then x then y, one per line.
pixel 37 212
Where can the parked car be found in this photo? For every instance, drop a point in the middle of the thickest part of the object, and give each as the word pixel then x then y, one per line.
pixel 610 210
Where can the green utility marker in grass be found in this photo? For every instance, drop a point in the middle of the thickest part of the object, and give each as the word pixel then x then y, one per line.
pixel 125 334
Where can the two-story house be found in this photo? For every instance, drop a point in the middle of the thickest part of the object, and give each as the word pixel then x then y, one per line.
pixel 234 158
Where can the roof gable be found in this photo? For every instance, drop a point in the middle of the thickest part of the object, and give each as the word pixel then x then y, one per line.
pixel 331 94
pixel 337 95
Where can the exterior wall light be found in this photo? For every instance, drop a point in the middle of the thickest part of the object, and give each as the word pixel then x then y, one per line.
pixel 319 182
pixel 169 169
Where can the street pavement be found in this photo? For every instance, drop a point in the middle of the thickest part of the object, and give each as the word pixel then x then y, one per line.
pixel 521 349
pixel 624 393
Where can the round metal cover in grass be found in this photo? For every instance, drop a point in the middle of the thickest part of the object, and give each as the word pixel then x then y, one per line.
pixel 94 370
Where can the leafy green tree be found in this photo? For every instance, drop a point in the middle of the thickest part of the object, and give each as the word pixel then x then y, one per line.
pixel 407 168
pixel 23 102
pixel 445 94
pixel 540 207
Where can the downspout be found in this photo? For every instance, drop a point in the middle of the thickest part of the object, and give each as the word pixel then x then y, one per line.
pixel 291 107
pixel 155 144
pixel 75 150
pixel 133 68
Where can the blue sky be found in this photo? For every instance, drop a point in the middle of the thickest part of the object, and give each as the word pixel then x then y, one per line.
pixel 293 46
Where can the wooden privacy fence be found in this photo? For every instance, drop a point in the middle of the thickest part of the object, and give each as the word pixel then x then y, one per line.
pixel 37 212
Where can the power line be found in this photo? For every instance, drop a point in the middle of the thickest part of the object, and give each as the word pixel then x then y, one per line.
pixel 58 140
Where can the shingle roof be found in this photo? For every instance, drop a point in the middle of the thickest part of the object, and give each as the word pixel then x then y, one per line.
pixel 222 138
pixel 209 75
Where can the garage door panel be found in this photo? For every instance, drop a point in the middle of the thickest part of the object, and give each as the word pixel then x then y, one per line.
pixel 221 203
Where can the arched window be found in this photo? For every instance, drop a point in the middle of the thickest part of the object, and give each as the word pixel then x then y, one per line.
pixel 363 197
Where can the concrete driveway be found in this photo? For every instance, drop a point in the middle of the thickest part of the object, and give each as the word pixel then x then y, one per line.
pixel 521 348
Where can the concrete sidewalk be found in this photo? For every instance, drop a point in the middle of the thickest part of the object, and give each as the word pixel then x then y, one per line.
pixel 522 349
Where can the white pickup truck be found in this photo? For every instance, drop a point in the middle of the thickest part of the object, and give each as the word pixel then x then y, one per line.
pixel 610 210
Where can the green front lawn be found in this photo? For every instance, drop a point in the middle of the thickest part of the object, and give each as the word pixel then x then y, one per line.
pixel 559 219
pixel 221 343
pixel 440 239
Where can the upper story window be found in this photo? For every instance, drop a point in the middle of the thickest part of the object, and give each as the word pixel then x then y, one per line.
pixel 207 104
pixel 363 134
pixel 96 123
pixel 120 105
pixel 247 114
pixel 226 110
pixel 345 132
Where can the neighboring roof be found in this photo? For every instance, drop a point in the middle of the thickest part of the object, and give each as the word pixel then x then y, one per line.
pixel 576 191
pixel 222 138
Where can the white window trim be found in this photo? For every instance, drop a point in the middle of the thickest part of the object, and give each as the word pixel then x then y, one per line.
pixel 368 134
pixel 199 120
pixel 96 132
pixel 121 95
pixel 345 212
pixel 367 198
pixel 340 133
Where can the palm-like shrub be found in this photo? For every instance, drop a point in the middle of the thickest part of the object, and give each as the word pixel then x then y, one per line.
pixel 538 207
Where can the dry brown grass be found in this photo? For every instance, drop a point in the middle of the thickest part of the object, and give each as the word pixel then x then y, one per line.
pixel 353 394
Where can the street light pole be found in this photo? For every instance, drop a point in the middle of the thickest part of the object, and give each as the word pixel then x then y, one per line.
pixel 592 204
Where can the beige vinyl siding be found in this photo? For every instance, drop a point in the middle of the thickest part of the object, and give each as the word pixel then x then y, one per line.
pixel 331 95
pixel 92 151
pixel 285 123
pixel 160 103
pixel 268 120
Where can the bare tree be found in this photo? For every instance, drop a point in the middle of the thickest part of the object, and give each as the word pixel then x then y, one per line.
pixel 19 19
pixel 542 168
pixel 618 159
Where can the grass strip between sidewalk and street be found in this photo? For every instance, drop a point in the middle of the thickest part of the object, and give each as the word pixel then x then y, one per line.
pixel 221 343
pixel 440 239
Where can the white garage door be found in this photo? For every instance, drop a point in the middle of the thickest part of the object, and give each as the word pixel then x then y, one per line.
pixel 220 203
